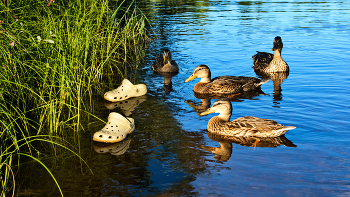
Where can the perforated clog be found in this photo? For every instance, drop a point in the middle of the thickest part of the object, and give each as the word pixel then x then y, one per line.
pixel 116 129
pixel 125 90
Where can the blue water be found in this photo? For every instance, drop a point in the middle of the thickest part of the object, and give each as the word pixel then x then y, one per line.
pixel 166 157
pixel 314 98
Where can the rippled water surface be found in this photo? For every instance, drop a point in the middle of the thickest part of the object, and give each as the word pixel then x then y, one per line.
pixel 168 152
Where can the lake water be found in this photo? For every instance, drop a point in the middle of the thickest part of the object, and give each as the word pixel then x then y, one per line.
pixel 166 154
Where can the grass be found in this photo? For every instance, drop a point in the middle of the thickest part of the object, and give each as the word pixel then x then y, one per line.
pixel 51 57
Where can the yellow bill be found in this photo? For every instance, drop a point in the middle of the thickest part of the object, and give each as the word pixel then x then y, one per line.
pixel 208 111
pixel 193 76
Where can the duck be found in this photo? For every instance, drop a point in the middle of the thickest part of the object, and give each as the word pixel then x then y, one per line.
pixel 247 126
pixel 224 85
pixel 270 63
pixel 164 63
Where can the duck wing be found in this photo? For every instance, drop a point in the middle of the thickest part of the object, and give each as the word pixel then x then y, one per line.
pixel 261 61
pixel 158 63
pixel 249 126
pixel 231 84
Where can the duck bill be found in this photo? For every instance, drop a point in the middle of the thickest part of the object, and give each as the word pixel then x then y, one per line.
pixel 209 111
pixel 193 76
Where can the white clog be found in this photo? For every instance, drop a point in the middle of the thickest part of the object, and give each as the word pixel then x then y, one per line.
pixel 125 91
pixel 116 129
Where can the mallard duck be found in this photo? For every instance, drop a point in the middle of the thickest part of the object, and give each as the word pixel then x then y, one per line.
pixel 247 126
pixel 223 84
pixel 269 63
pixel 164 63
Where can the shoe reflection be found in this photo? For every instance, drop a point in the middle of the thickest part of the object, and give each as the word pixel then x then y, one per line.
pixel 117 148
pixel 127 106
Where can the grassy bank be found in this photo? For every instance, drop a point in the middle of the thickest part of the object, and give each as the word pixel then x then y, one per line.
pixel 50 58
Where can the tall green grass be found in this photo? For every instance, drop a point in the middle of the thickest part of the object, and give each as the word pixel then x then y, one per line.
pixel 51 57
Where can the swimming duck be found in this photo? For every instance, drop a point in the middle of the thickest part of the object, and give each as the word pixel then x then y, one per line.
pixel 223 84
pixel 247 126
pixel 269 63
pixel 164 63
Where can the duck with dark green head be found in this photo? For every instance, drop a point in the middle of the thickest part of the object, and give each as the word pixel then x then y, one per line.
pixel 164 63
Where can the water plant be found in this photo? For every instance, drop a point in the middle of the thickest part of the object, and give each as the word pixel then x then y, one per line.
pixel 52 56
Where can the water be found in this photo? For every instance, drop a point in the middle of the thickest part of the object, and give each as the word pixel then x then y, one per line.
pixel 166 155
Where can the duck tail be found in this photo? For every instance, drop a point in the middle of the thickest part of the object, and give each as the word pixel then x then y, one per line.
pixel 282 131
pixel 262 82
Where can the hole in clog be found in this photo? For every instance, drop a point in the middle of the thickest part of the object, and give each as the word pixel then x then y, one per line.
pixel 116 126
pixel 121 97
pixel 137 90
pixel 109 137
pixel 111 125
pixel 121 102
pixel 126 96
pixel 115 97
pixel 122 135
pixel 122 89
pixel 126 101
pixel 117 137
pixel 100 136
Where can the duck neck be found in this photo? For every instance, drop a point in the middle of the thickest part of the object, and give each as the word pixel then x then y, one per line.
pixel 277 54
pixel 225 116
pixel 205 80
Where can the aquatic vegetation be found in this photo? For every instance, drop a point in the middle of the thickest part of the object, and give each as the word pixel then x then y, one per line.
pixel 51 57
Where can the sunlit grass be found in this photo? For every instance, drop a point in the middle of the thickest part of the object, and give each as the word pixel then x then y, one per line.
pixel 51 57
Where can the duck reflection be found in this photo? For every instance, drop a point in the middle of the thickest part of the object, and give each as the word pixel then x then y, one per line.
pixel 223 153
pixel 199 107
pixel 126 105
pixel 117 148
pixel 277 79
pixel 168 84
pixel 205 102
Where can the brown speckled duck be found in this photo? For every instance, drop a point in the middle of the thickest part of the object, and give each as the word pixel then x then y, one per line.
pixel 247 126
pixel 269 63
pixel 164 63
pixel 222 85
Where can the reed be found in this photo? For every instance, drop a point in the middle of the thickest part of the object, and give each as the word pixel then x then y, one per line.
pixel 51 57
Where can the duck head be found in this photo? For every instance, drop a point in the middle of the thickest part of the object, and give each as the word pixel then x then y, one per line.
pixel 277 44
pixel 202 71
